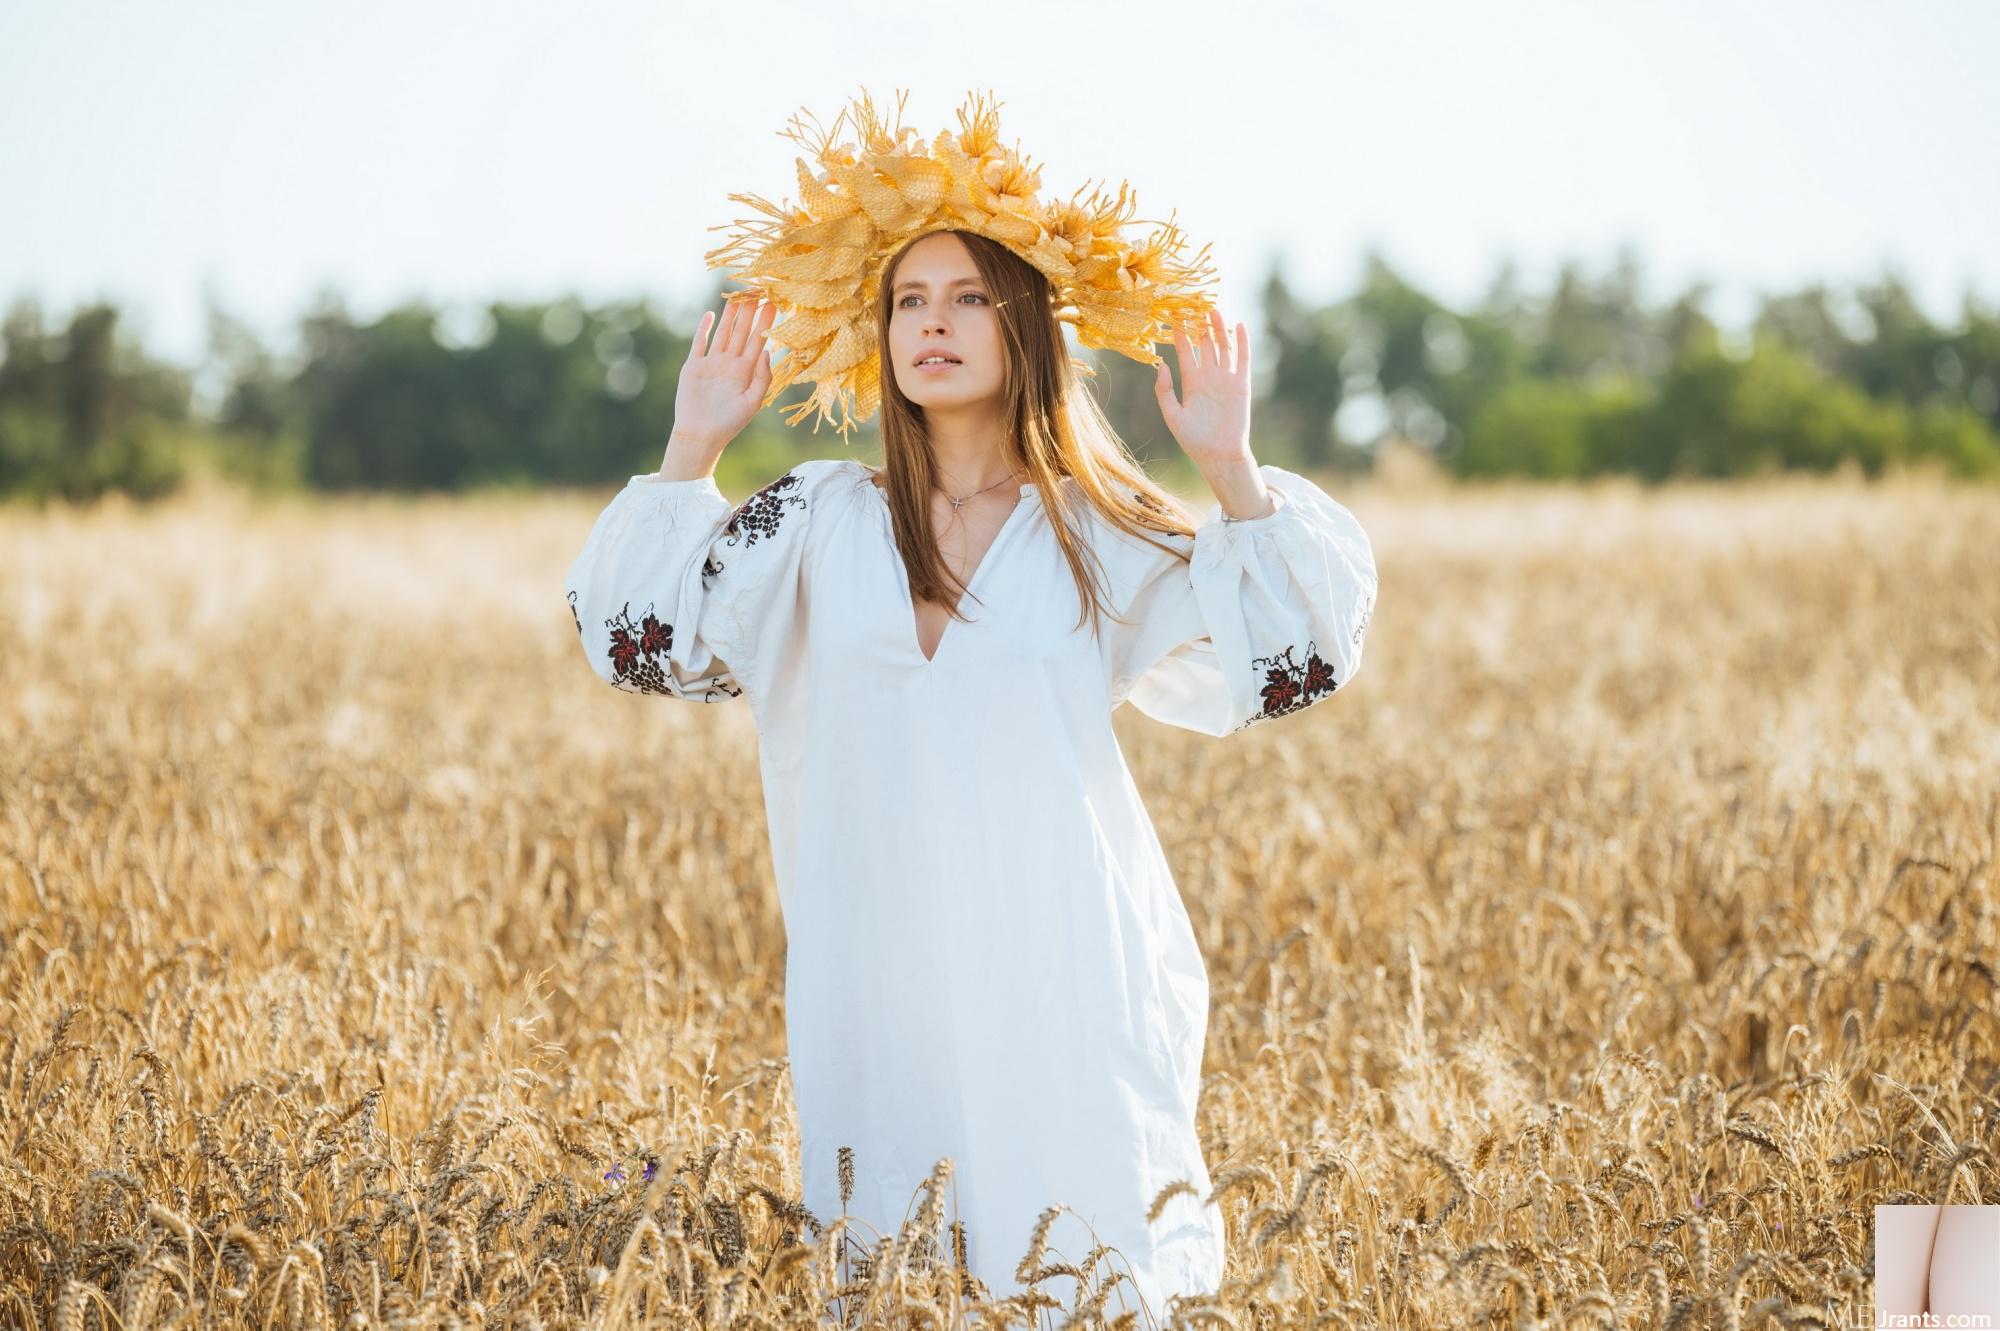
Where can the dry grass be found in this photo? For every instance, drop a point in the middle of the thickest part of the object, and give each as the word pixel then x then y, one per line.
pixel 1601 958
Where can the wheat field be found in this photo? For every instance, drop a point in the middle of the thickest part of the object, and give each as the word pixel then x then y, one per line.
pixel 1599 958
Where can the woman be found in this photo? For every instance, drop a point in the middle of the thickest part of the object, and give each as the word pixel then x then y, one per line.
pixel 987 956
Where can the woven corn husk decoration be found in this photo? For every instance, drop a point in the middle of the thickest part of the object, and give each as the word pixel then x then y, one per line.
pixel 820 260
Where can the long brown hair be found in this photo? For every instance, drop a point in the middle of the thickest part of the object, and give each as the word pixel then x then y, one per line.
pixel 1056 433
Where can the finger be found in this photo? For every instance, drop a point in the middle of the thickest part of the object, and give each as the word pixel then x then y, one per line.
pixel 701 334
pixel 722 334
pixel 760 380
pixel 1217 341
pixel 1183 351
pixel 1242 347
pixel 746 314
pixel 755 321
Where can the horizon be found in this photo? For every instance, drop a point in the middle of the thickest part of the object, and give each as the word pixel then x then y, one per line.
pixel 1738 155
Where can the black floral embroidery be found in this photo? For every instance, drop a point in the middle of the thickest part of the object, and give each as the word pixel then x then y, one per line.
pixel 574 615
pixel 1290 686
pixel 761 513
pixel 639 664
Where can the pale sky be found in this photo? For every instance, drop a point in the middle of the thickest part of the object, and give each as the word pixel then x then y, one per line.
pixel 467 152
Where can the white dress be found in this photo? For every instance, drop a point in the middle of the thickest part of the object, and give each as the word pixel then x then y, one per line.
pixel 987 955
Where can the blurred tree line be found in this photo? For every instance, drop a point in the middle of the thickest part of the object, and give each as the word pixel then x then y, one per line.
pixel 1582 381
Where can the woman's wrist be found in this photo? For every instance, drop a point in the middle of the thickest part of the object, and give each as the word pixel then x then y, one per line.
pixel 1240 489
pixel 689 457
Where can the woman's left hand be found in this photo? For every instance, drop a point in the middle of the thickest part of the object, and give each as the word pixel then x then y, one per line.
pixel 1211 418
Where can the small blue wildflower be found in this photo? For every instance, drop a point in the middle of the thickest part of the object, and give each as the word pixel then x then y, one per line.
pixel 616 1173
pixel 1697 1201
pixel 652 1168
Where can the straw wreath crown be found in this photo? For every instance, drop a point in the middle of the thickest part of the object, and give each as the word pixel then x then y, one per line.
pixel 820 262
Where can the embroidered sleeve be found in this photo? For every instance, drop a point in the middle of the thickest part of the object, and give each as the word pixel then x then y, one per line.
pixel 1266 618
pixel 679 593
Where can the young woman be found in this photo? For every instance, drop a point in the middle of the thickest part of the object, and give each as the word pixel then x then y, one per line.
pixel 988 958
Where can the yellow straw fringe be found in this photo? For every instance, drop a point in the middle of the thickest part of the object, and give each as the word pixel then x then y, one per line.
pixel 863 197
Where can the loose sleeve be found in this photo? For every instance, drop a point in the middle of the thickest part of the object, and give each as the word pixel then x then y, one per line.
pixel 1265 618
pixel 677 592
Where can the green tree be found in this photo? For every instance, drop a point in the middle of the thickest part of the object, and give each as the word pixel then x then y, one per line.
pixel 84 411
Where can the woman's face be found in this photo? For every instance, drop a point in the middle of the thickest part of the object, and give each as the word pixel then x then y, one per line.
pixel 940 304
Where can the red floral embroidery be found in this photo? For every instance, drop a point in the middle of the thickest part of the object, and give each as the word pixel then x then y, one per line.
pixel 639 653
pixel 1290 686
pixel 624 651
pixel 639 661
pixel 1281 691
pixel 1319 677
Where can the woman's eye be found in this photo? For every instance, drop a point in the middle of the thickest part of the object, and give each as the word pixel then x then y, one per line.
pixel 904 302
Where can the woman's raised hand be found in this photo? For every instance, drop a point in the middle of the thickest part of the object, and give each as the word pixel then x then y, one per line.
pixel 1211 418
pixel 723 383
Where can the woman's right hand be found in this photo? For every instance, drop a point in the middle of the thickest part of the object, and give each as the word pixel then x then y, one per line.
pixel 723 384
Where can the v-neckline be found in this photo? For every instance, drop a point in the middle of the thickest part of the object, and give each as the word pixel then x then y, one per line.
pixel 971 582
